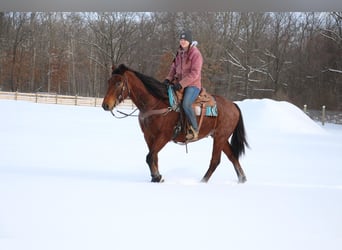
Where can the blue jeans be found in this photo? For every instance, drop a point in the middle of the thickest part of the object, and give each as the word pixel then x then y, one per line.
pixel 190 95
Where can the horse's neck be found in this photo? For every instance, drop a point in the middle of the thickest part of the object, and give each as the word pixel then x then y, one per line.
pixel 140 95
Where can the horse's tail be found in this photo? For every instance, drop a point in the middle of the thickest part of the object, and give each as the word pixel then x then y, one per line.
pixel 239 140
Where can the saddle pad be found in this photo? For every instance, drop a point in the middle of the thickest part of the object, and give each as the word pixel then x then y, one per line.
pixel 211 111
pixel 172 99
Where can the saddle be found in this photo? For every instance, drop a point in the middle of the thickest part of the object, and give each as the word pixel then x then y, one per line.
pixel 204 105
pixel 204 99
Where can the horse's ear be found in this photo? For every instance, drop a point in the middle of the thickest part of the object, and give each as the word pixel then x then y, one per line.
pixel 122 68
pixel 119 69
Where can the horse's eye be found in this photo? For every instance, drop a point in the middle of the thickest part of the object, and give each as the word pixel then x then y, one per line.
pixel 118 83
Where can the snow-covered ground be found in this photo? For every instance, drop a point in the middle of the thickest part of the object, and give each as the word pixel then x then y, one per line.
pixel 76 178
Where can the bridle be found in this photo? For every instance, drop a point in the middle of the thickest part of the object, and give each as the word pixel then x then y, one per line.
pixel 120 97
pixel 124 84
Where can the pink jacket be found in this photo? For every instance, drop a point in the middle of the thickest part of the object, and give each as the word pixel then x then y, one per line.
pixel 187 67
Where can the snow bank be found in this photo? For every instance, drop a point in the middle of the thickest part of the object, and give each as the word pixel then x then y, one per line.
pixel 281 116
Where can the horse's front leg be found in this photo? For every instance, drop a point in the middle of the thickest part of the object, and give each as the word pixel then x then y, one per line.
pixel 152 162
pixel 155 144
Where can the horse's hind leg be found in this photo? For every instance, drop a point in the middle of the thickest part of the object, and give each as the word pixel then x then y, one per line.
pixel 214 162
pixel 238 169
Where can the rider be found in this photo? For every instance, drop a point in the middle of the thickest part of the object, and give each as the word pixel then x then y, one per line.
pixel 185 73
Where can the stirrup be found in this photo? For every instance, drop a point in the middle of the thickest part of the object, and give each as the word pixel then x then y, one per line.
pixel 192 134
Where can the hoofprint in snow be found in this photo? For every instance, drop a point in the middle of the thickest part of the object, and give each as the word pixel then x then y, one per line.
pixel 76 178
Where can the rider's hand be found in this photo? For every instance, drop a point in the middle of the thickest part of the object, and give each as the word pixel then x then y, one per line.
pixel 166 82
pixel 177 86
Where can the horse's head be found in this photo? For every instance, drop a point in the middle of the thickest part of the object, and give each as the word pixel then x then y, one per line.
pixel 117 90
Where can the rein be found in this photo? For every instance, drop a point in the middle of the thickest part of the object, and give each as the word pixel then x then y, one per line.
pixel 124 115
pixel 144 115
pixel 163 111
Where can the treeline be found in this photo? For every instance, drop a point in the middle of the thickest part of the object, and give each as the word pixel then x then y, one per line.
pixel 285 56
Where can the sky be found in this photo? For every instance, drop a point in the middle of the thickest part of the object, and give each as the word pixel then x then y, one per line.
pixel 76 178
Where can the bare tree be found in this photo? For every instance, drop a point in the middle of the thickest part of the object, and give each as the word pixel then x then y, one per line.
pixel 244 53
pixel 281 28
pixel 113 32
pixel 17 21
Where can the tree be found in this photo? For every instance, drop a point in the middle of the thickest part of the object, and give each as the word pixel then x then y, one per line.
pixel 285 56
pixel 17 34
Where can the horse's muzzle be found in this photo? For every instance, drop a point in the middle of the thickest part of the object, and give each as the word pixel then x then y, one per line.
pixel 105 106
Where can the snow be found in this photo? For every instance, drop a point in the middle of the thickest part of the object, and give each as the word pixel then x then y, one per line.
pixel 76 178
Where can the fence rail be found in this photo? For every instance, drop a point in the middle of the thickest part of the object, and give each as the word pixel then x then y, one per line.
pixel 49 98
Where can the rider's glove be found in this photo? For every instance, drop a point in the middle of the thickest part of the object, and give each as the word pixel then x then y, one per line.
pixel 177 86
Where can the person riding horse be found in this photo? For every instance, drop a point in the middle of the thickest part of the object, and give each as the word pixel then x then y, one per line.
pixel 157 121
pixel 185 73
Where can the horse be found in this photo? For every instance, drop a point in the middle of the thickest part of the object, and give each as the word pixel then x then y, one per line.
pixel 157 120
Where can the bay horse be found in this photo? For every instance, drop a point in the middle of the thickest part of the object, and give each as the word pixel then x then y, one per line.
pixel 158 121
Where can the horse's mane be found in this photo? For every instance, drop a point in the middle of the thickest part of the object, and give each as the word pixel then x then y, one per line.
pixel 154 87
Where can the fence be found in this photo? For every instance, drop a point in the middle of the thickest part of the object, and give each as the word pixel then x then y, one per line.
pixel 325 116
pixel 49 98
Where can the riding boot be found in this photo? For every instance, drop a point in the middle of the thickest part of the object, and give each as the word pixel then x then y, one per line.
pixel 192 134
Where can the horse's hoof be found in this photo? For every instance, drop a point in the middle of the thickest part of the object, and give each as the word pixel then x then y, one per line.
pixel 158 178
pixel 204 180
pixel 242 179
